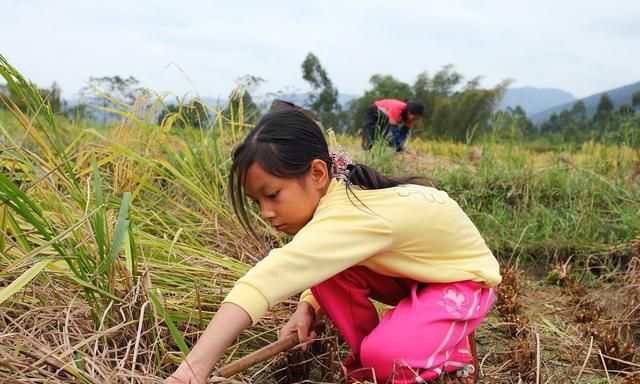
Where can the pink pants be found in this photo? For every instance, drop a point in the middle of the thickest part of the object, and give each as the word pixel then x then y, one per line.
pixel 424 335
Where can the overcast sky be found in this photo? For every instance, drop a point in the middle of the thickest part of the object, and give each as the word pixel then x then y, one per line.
pixel 202 47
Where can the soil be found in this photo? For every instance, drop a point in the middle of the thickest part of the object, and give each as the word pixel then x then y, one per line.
pixel 553 327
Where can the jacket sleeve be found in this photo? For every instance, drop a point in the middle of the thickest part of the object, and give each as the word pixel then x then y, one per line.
pixel 331 242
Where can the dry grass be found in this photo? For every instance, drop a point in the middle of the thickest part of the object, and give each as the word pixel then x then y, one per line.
pixel 110 268
pixel 549 339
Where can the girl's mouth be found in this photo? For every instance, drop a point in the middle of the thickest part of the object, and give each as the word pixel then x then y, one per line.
pixel 279 227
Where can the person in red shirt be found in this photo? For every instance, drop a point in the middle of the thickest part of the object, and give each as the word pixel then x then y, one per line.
pixel 390 119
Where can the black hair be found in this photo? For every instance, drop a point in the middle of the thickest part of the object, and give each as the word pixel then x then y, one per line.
pixel 284 143
pixel 414 107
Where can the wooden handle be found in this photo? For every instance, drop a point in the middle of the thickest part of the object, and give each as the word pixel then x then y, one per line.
pixel 263 354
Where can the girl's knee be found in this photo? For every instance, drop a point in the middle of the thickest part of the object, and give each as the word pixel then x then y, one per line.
pixel 379 354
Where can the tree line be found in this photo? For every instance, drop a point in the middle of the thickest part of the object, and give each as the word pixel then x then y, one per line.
pixel 462 111
pixel 52 95
pixel 573 125
pixel 455 108
pixel 617 124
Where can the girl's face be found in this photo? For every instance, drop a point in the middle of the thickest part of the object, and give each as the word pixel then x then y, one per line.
pixel 287 204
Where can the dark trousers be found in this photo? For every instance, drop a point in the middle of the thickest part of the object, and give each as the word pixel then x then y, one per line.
pixel 374 126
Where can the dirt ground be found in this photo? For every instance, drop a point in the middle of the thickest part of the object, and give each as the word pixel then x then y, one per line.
pixel 564 330
pixel 554 326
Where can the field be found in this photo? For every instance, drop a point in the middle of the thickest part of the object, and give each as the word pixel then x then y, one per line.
pixel 118 243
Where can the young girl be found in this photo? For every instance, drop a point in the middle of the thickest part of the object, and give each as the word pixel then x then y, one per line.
pixel 390 119
pixel 357 235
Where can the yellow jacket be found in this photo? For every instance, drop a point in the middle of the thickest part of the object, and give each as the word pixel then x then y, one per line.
pixel 409 231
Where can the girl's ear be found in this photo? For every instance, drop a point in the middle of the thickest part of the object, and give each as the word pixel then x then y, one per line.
pixel 319 173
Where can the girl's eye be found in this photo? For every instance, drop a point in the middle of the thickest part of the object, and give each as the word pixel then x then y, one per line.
pixel 273 195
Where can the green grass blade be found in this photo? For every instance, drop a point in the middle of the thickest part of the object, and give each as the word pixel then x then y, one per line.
pixel 122 226
pixel 11 195
pixel 98 222
pixel 130 251
pixel 4 226
pixel 175 334
pixel 22 280
pixel 14 228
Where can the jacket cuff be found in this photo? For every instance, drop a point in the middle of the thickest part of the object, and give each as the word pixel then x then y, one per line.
pixel 248 298
pixel 307 297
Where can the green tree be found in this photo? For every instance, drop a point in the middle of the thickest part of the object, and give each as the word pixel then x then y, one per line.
pixel 431 92
pixel 323 100
pixel 473 109
pixel 635 100
pixel 422 91
pixel 603 112
pixel 51 95
pixel 445 80
pixel 240 107
pixel 579 111
pixel 454 110
pixel 382 87
pixel 117 88
pixel 551 125
pixel 451 111
pixel 441 117
pixel 79 112
pixel 512 124
pixel 625 110
pixel 110 92
pixel 193 114
pixel 524 125
pixel 571 133
pixel 579 120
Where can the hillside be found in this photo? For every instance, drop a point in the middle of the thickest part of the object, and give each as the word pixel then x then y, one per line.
pixel 619 96
pixel 534 100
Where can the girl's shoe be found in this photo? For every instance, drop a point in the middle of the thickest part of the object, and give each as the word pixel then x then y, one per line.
pixel 469 371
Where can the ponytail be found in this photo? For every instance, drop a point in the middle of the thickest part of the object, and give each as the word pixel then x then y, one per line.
pixel 368 178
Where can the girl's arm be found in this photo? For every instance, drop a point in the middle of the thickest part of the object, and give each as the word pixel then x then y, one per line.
pixel 224 328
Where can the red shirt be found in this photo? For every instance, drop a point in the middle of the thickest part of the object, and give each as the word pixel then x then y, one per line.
pixel 393 109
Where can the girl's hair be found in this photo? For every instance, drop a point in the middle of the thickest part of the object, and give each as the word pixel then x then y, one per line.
pixel 414 107
pixel 284 144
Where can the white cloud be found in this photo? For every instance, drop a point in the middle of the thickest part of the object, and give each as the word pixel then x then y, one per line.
pixel 582 47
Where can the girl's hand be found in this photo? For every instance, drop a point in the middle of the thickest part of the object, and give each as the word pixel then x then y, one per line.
pixel 225 327
pixel 300 322
pixel 185 375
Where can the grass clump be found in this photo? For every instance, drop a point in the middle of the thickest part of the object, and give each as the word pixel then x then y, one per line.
pixel 118 243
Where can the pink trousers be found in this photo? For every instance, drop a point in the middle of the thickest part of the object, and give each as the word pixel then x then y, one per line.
pixel 424 335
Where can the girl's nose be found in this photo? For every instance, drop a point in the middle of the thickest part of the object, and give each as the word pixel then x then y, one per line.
pixel 268 213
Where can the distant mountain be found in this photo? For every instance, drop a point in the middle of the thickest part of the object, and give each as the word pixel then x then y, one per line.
pixel 618 96
pixel 534 100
